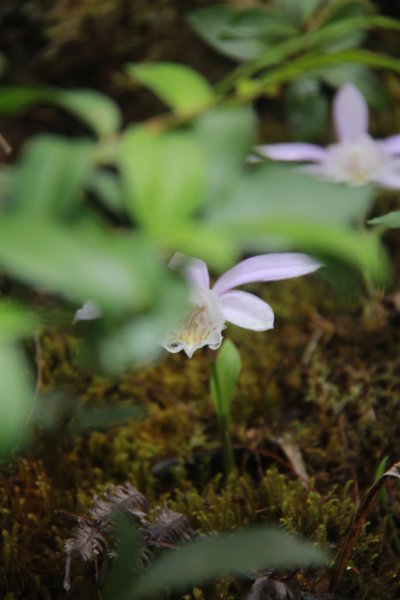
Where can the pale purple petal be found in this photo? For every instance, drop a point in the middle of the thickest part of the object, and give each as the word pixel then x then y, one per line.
pixel 266 267
pixel 292 152
pixel 392 144
pixel 391 181
pixel 246 310
pixel 88 312
pixel 350 114
pixel 195 269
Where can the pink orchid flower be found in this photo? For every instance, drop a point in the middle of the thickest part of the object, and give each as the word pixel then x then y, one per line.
pixel 356 158
pixel 210 308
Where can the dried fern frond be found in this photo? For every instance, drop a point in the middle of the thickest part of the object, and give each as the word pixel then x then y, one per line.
pixel 87 542
pixel 128 498
pixel 169 529
pixel 92 538
pixel 124 497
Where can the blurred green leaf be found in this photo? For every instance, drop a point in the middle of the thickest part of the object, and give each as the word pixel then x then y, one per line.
pixel 16 321
pixel 241 35
pixel 234 553
pixel 372 88
pixel 7 185
pixel 116 271
pixel 258 23
pixel 225 375
pixel 312 64
pixel 297 12
pixel 225 135
pixel 179 86
pixel 203 240
pixel 139 340
pixel 104 417
pixel 279 53
pixel 16 398
pixel 341 12
pixel 162 176
pixel 275 208
pixel 128 552
pixel 391 220
pixel 279 191
pixel 96 110
pixel 107 188
pixel 306 109
pixel 50 176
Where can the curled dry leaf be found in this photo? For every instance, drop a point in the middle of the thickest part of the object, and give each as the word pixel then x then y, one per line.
pixel 168 529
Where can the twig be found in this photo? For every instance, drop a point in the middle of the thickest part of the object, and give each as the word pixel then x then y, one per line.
pixel 357 525
pixel 4 145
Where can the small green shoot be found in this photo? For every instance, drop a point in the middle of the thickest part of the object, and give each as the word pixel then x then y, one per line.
pixel 224 377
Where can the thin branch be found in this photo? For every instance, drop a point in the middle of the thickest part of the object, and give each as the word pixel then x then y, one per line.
pixel 4 145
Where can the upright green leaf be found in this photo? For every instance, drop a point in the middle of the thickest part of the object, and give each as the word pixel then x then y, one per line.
pixel 96 110
pixel 179 86
pixel 51 175
pixel 225 375
pixel 162 176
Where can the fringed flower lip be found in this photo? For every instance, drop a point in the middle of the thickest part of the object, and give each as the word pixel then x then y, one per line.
pixel 211 308
pixel 356 158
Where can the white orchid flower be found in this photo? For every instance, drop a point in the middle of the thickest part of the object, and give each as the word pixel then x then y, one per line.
pixel 356 158
pixel 211 308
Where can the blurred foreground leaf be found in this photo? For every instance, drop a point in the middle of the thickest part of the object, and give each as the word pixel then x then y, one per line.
pixel 181 88
pixel 241 35
pixel 16 398
pixel 209 558
pixel 50 176
pixel 391 220
pixel 225 135
pixel 104 417
pixel 116 271
pixel 275 208
pixel 96 110
pixel 162 176
pixel 16 321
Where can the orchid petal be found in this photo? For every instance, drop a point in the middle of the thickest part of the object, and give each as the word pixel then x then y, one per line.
pixel 88 312
pixel 392 144
pixel 247 311
pixel 350 114
pixel 195 269
pixel 292 152
pixel 391 180
pixel 266 267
